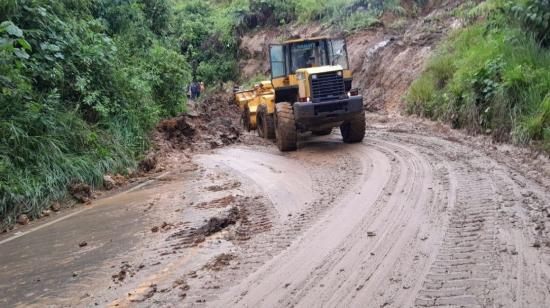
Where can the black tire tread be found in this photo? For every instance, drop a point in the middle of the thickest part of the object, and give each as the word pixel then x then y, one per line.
pixel 285 127
pixel 353 131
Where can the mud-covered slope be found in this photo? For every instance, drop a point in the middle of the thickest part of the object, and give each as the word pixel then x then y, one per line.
pixel 384 61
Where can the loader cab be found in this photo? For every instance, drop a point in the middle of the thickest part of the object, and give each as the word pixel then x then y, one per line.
pixel 293 55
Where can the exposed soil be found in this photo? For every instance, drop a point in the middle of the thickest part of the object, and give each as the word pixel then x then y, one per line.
pixel 429 221
pixel 220 262
pixel 215 224
pixel 207 124
pixel 226 186
pixel 82 192
pixel 217 203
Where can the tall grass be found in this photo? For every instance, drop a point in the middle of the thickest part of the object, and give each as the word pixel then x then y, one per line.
pixel 38 160
pixel 82 85
pixel 490 78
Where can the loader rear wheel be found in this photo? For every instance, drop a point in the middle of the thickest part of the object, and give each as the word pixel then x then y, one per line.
pixel 322 132
pixel 354 130
pixel 285 127
pixel 259 123
pixel 245 118
pixel 265 123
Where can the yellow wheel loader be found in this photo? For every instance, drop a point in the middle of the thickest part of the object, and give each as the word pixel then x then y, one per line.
pixel 310 90
pixel 257 108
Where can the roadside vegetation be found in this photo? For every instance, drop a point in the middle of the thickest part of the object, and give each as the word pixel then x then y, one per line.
pixel 493 75
pixel 84 82
pixel 347 15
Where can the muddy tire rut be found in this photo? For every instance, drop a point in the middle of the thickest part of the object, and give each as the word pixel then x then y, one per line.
pixel 400 220
pixel 407 218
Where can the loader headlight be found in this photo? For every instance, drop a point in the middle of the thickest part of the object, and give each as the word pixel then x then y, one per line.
pixel 314 76
pixel 339 73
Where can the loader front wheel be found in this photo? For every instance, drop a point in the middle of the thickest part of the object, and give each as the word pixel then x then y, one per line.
pixel 354 130
pixel 260 122
pixel 285 127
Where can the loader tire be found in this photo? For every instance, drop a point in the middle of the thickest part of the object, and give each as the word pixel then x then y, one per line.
pixel 354 130
pixel 322 132
pixel 260 122
pixel 266 123
pixel 245 118
pixel 285 127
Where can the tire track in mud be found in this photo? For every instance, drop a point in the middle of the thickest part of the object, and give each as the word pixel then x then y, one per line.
pixel 395 225
pixel 485 258
pixel 451 225
pixel 336 259
pixel 390 215
pixel 466 264
pixel 327 183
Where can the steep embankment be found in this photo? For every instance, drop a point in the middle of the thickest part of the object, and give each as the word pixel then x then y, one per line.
pixel 385 60
pixel 492 76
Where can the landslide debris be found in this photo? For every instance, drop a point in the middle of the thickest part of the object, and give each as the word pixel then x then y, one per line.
pixel 246 216
pixel 208 124
pixel 126 270
pixel 226 186
pixel 194 236
pixel 82 192
pixel 220 262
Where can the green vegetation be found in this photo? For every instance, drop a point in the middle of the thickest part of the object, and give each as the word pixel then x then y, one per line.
pixel 490 77
pixel 348 15
pixel 83 83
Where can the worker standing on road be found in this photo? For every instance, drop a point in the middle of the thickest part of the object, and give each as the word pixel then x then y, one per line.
pixel 201 87
pixel 194 90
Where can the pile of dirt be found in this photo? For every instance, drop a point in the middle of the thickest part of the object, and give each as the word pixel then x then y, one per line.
pixel 226 186
pixel 220 262
pixel 82 192
pixel 240 218
pixel 194 236
pixel 125 270
pixel 217 203
pixel 208 124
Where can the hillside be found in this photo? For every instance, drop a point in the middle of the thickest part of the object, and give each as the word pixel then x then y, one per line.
pixel 117 190
pixel 85 83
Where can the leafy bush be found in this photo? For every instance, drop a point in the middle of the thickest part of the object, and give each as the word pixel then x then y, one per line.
pixel 360 20
pixel 171 75
pixel 359 14
pixel 535 18
pixel 82 84
pixel 208 39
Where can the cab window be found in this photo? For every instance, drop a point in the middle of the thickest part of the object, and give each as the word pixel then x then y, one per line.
pixel 277 57
pixel 308 54
pixel 338 54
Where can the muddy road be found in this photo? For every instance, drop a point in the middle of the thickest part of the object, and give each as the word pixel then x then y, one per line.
pixel 407 218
